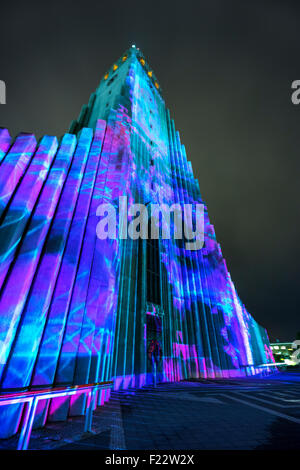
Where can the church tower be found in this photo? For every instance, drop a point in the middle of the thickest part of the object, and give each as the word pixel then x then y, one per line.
pixel 78 309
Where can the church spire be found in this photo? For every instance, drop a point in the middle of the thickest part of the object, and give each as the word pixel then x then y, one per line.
pixel 115 88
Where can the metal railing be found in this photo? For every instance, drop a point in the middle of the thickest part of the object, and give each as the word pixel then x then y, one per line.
pixel 31 399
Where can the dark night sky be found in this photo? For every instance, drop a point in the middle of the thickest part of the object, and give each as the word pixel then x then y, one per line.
pixel 226 70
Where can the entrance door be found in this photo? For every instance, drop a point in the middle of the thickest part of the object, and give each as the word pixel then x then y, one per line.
pixel 154 347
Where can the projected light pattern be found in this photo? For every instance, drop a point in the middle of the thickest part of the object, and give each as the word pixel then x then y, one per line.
pixel 75 309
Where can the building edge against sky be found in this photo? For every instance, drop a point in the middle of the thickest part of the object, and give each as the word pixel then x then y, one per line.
pixel 75 309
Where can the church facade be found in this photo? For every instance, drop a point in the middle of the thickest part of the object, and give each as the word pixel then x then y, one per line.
pixel 78 309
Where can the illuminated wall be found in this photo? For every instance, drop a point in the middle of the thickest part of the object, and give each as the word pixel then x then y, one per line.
pixel 75 309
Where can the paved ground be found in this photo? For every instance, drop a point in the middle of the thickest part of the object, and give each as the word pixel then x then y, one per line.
pixel 251 413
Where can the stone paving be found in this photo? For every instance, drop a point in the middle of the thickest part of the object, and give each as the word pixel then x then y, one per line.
pixel 253 413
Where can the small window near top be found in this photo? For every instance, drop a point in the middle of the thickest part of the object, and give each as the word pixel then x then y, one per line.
pixel 111 80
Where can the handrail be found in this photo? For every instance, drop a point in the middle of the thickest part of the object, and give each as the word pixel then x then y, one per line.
pixel 39 391
pixel 31 398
